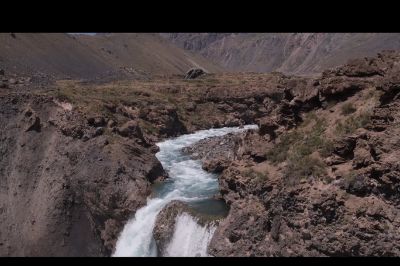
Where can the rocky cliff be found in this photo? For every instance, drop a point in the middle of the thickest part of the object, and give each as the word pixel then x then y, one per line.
pixel 320 177
pixel 67 186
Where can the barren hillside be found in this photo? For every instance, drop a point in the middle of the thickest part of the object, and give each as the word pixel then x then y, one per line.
pixel 291 53
pixel 80 56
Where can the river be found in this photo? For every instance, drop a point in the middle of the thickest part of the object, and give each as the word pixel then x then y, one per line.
pixel 187 182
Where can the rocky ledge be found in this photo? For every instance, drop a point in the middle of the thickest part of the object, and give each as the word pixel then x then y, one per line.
pixel 69 183
pixel 320 177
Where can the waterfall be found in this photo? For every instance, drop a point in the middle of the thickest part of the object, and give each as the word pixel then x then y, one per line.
pixel 188 182
pixel 190 239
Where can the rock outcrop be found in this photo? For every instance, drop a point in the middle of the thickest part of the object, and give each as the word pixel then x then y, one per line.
pixel 66 191
pixel 326 182
pixel 215 153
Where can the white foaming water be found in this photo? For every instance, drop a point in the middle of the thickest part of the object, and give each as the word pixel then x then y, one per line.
pixel 188 182
pixel 190 238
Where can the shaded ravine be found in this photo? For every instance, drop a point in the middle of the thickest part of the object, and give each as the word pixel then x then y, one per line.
pixel 188 182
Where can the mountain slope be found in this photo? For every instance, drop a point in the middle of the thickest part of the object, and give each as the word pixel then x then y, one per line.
pixel 292 53
pixel 80 56
pixel 145 51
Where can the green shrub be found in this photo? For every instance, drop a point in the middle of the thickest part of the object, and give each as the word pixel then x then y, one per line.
pixel 148 127
pixel 280 151
pixel 350 178
pixel 302 143
pixel 258 176
pixel 352 123
pixel 309 117
pixel 348 108
pixel 64 95
pixel 302 167
pixel 326 148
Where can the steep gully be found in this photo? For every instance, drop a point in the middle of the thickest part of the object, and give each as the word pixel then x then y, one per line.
pixel 188 182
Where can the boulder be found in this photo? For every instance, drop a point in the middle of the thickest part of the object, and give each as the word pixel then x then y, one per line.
pixel 32 120
pixel 194 73
pixel 1 72
pixel 345 147
pixel 359 186
pixel 215 165
pixel 232 122
pixel 130 129
pixel 34 124
pixel 362 154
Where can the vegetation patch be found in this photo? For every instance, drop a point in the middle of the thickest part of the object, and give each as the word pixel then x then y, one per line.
pixel 302 142
pixel 372 93
pixel 256 175
pixel 350 178
pixel 352 123
pixel 309 117
pixel 279 152
pixel 298 148
pixel 348 108
pixel 148 128
pixel 303 167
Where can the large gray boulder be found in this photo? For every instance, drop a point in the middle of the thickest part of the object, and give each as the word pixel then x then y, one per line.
pixel 194 73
